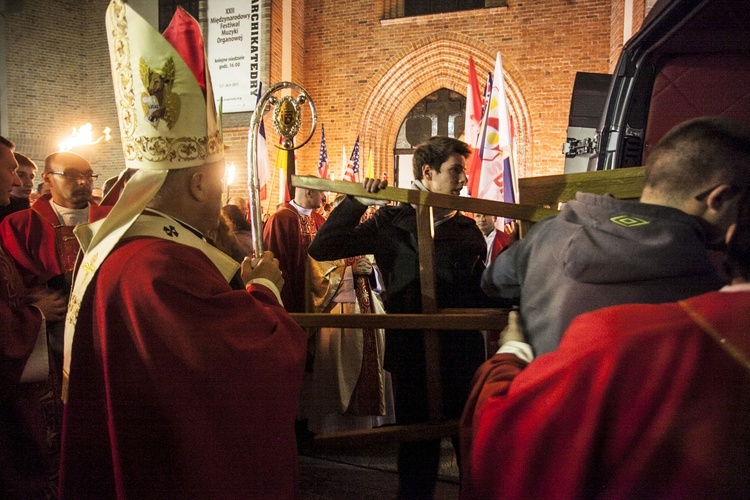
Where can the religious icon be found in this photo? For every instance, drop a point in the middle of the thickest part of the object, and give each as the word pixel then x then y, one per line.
pixel 287 118
pixel 159 102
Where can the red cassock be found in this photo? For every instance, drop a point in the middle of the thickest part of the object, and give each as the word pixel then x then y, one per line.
pixel 499 243
pixel 288 235
pixel 180 387
pixel 23 450
pixel 639 401
pixel 41 247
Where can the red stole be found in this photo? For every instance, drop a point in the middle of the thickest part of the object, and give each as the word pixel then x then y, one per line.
pixel 366 396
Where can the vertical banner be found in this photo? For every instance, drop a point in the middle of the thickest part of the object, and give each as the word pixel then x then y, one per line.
pixel 233 45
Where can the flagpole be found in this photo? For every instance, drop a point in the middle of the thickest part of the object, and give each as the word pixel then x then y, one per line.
pixel 270 190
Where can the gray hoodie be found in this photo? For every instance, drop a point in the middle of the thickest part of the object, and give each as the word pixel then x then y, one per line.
pixel 598 252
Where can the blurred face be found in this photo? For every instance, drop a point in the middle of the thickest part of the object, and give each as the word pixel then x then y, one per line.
pixel 316 199
pixel 727 216
pixel 27 175
pixel 70 179
pixel 486 223
pixel 214 188
pixel 308 198
pixel 450 179
pixel 8 176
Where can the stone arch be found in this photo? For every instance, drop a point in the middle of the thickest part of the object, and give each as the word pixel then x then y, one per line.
pixel 422 68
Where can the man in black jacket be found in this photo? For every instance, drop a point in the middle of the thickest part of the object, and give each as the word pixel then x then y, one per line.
pixel 391 235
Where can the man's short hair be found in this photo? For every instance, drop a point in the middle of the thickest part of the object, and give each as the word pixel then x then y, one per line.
pixel 24 161
pixel 695 153
pixel 6 142
pixel 737 260
pixel 435 151
pixel 48 162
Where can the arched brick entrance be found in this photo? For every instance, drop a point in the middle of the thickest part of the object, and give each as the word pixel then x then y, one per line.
pixel 422 68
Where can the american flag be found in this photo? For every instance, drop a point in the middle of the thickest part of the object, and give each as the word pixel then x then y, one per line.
pixel 352 166
pixel 323 157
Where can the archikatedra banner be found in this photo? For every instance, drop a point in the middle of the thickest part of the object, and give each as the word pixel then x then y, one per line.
pixel 233 45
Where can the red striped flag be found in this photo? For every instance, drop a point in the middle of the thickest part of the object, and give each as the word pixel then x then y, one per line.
pixel 352 166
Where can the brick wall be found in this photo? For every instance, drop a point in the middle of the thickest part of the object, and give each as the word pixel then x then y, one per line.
pixel 364 71
pixel 365 74
pixel 616 33
pixel 58 78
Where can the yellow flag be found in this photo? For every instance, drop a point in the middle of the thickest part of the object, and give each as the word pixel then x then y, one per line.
pixel 370 170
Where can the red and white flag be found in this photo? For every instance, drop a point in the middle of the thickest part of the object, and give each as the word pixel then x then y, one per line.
pixel 473 113
pixel 497 176
pixel 264 167
pixel 352 166
pixel 474 170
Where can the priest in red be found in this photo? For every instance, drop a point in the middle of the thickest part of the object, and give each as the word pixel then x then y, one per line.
pixel 496 240
pixel 40 239
pixel 178 386
pixel 24 459
pixel 288 234
pixel 639 401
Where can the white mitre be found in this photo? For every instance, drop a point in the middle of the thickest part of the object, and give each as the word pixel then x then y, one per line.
pixel 167 121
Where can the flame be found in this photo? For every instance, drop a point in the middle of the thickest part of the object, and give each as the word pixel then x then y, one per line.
pixel 83 136
pixel 230 174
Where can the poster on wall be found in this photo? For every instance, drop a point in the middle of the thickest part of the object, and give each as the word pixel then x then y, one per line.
pixel 233 45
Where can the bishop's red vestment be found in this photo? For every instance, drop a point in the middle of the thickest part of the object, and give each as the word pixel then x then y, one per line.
pixel 639 401
pixel 180 387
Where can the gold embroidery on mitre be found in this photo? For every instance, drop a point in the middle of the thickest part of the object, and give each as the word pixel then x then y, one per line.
pixel 159 102
pixel 121 69
pixel 143 148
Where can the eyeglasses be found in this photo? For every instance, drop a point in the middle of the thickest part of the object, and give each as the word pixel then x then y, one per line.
pixel 75 176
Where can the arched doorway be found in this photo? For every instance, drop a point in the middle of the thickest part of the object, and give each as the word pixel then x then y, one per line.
pixel 416 72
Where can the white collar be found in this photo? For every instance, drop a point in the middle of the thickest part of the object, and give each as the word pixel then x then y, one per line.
pixel 70 216
pixel 302 211
pixel 739 287
pixel 65 210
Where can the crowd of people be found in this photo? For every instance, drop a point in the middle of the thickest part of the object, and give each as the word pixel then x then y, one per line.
pixel 147 351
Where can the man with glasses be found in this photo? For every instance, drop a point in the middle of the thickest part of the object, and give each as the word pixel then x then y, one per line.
pixel 600 251
pixel 40 240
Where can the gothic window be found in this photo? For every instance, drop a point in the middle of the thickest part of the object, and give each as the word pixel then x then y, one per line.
pixel 440 113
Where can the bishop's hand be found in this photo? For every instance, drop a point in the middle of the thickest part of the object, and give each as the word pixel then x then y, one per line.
pixel 266 267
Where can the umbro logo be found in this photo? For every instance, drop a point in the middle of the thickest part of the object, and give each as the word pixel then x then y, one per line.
pixel 171 231
pixel 628 221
